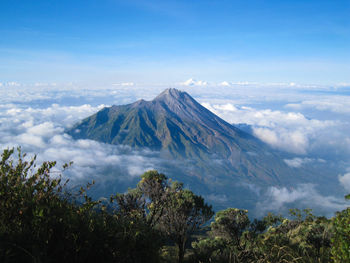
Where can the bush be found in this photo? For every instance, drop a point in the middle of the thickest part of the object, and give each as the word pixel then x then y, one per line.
pixel 41 222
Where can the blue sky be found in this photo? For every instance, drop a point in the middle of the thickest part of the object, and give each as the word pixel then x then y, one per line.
pixel 170 41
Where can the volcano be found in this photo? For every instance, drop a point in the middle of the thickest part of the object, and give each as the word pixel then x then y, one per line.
pixel 213 156
pixel 179 127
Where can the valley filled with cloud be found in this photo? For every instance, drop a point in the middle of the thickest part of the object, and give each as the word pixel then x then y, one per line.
pixel 308 124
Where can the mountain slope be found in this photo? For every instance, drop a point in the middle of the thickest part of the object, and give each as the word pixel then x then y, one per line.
pixel 179 127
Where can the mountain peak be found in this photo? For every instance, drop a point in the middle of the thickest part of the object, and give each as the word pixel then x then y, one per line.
pixel 210 152
pixel 170 94
pixel 176 125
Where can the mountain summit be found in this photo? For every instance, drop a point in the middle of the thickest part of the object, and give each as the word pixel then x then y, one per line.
pixel 172 122
pixel 180 128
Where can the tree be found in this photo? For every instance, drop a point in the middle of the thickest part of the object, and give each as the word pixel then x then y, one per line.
pixel 230 224
pixel 148 199
pixel 184 213
pixel 41 222
pixel 341 237
pixel 208 250
pixel 303 238
pixel 167 207
pixel 154 191
pixel 27 196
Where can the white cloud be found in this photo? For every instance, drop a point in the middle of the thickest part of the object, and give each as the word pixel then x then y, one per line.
pixel 305 195
pixel 266 117
pixel 244 83
pixel 343 84
pixel 41 132
pixel 290 141
pixel 193 82
pixel 299 162
pixel 227 107
pixel 287 131
pixel 225 84
pixel 337 104
pixel 46 129
pixel 124 84
pixel 13 111
pixel 30 139
pixel 60 140
pixel 345 181
pixel 41 84
pixel 13 84
pixel 44 84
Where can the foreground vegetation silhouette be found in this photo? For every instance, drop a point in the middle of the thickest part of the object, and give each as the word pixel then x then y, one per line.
pixel 158 221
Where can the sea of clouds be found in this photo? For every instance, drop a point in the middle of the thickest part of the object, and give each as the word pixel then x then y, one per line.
pixel 310 124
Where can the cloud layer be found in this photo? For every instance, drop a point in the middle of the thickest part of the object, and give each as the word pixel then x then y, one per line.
pixel 311 127
pixel 41 132
pixel 288 131
pixel 279 200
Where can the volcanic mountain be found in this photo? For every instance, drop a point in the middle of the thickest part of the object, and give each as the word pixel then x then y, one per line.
pixel 180 128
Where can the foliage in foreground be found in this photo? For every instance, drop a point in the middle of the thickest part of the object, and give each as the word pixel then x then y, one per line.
pixel 158 221
pixel 341 238
pixel 40 222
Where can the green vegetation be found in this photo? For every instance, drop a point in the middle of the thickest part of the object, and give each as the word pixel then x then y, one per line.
pixel 40 222
pixel 341 238
pixel 158 221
